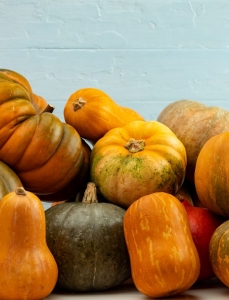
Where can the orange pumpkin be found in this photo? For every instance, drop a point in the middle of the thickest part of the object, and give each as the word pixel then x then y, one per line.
pixel 92 113
pixel 212 173
pixel 28 268
pixel 194 124
pixel 163 256
pixel 137 159
pixel 76 186
pixel 38 102
pixel 44 152
pixel 219 252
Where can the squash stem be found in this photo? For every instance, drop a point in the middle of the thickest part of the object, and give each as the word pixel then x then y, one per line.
pixel 49 108
pixel 90 194
pixel 20 191
pixel 78 104
pixel 135 145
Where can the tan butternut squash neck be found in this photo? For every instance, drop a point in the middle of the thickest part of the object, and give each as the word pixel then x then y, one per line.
pixel 90 194
pixel 78 103
pixel 135 145
pixel 20 191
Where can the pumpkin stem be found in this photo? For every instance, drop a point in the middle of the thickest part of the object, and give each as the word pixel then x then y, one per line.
pixel 90 194
pixel 20 191
pixel 78 103
pixel 135 145
pixel 49 108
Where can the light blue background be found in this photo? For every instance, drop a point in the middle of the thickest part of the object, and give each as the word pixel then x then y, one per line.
pixel 143 53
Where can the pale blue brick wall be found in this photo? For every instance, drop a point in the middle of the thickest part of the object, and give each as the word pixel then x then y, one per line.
pixel 143 53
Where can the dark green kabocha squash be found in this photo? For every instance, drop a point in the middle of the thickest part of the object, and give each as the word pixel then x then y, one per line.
pixel 87 241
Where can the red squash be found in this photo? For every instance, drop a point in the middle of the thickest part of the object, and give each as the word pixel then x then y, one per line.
pixel 202 224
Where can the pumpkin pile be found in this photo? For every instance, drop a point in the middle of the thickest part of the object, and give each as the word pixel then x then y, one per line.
pixel 131 198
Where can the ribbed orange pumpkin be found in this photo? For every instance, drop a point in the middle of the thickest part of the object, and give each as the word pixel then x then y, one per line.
pixel 76 186
pixel 38 102
pixel 137 159
pixel 44 152
pixel 92 113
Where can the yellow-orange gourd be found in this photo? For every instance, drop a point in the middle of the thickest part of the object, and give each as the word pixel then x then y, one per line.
pixel 28 269
pixel 163 256
pixel 92 113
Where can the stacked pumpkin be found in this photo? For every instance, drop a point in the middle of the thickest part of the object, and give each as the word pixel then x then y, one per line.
pixel 129 221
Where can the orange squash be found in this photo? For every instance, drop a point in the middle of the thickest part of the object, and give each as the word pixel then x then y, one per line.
pixel 212 173
pixel 76 186
pixel 194 124
pixel 163 256
pixel 28 268
pixel 92 113
pixel 137 159
pixel 44 152
pixel 39 102
pixel 219 252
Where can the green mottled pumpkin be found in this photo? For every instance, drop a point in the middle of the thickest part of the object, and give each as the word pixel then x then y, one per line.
pixel 137 159
pixel 88 244
pixel 219 252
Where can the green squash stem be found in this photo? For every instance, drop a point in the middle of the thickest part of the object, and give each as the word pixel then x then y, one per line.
pixel 135 145
pixel 90 194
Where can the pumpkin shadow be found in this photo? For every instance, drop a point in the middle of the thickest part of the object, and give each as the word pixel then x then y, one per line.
pixel 124 288
pixel 121 290
pixel 128 288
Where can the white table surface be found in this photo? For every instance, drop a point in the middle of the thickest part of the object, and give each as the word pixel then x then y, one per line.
pixel 212 289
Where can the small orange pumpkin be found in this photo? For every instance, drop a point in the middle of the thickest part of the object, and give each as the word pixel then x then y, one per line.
pixel 92 113
pixel 164 259
pixel 137 159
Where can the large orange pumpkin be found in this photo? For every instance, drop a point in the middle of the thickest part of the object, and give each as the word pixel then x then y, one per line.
pixel 44 152
pixel 194 123
pixel 76 186
pixel 137 159
pixel 92 113
pixel 38 102
pixel 212 174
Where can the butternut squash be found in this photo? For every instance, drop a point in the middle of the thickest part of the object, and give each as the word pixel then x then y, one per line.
pixel 164 259
pixel 28 269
